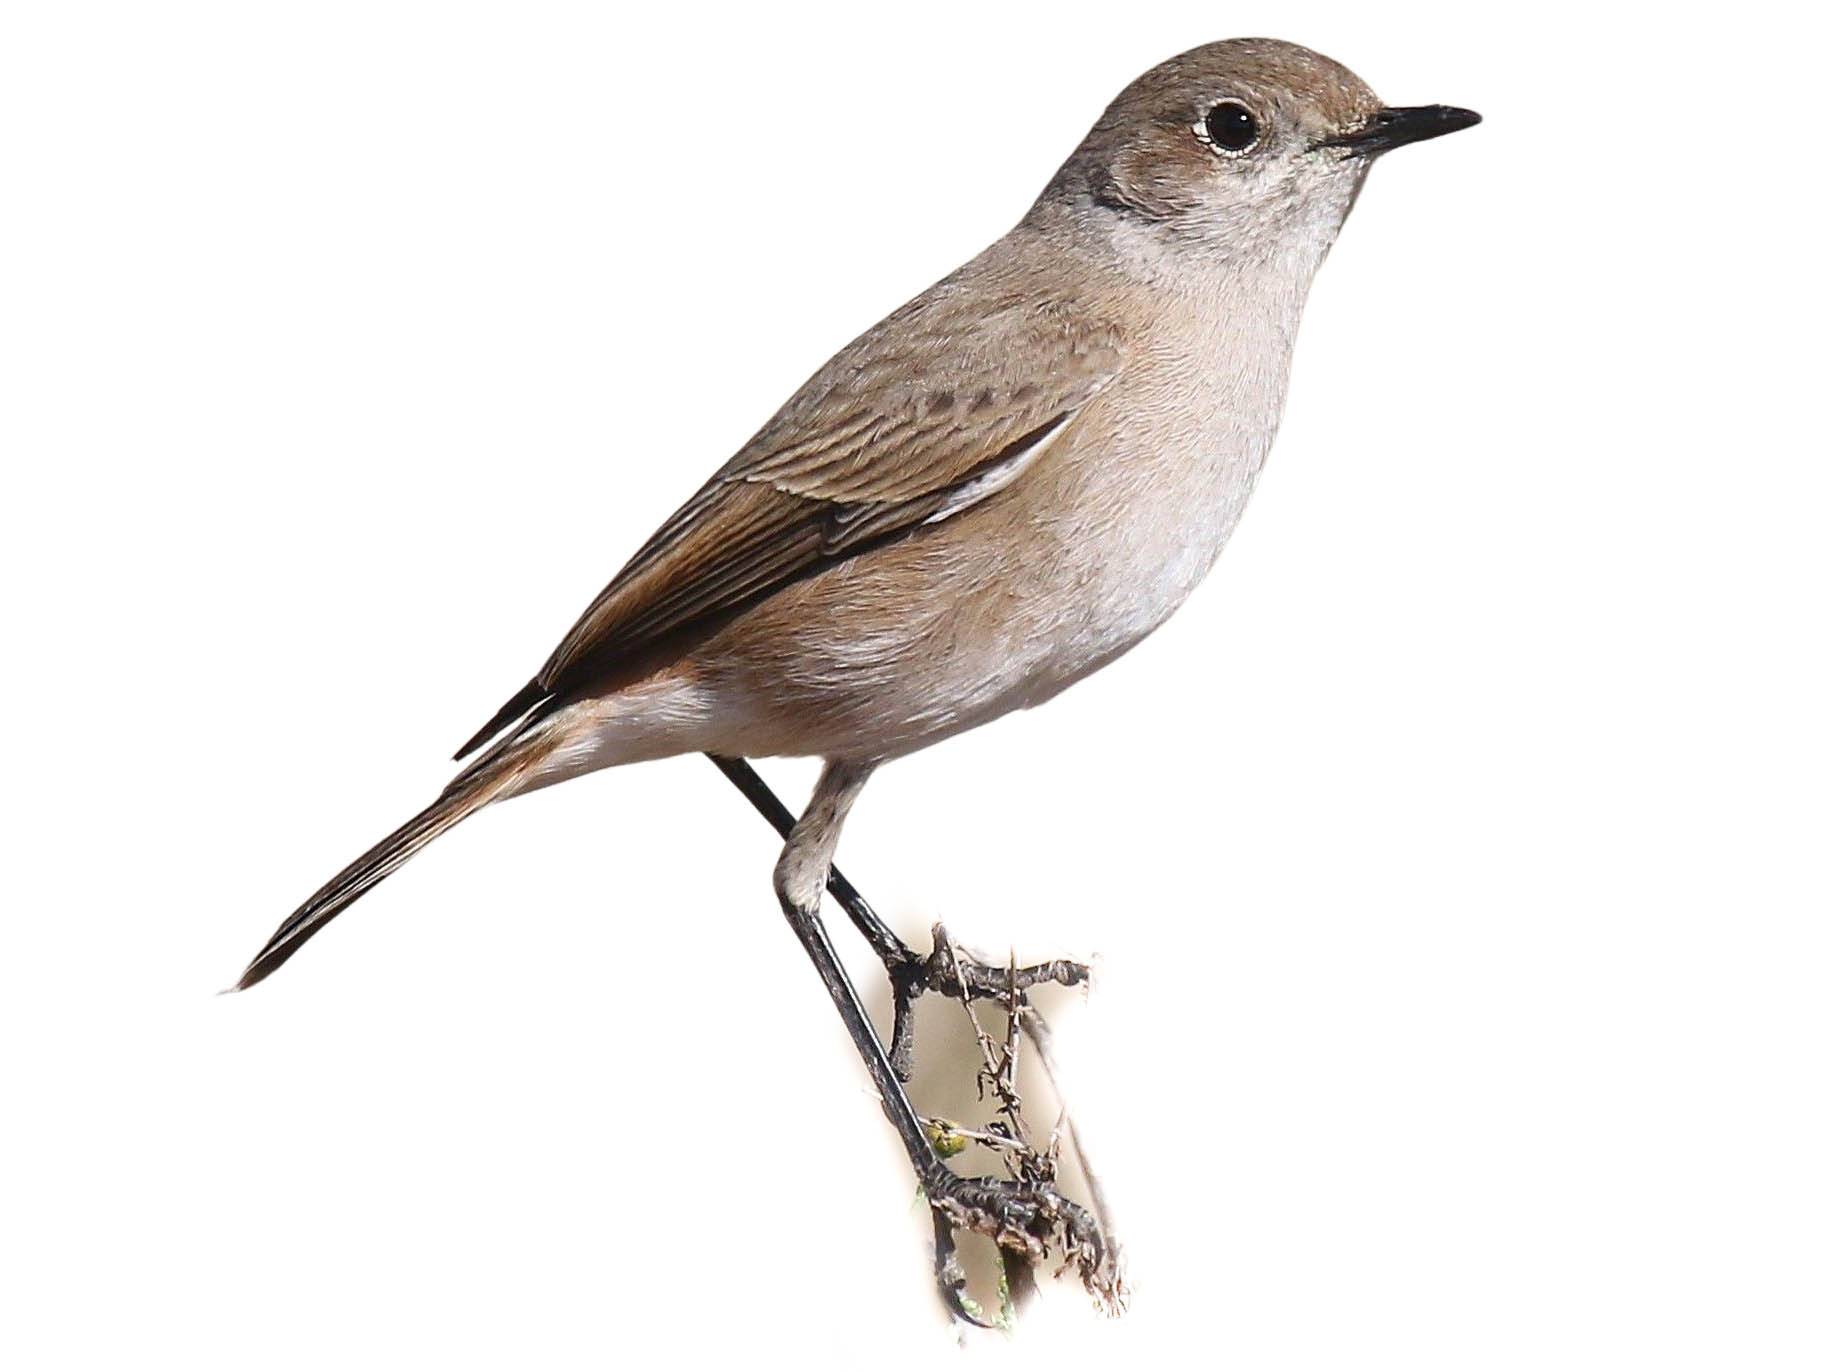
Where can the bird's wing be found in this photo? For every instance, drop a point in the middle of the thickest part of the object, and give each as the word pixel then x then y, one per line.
pixel 936 409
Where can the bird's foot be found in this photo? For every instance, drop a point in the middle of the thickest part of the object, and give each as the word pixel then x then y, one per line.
pixel 1032 1224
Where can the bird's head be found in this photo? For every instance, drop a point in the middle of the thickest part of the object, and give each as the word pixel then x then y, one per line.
pixel 1249 148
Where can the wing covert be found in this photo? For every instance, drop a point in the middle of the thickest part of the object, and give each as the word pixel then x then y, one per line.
pixel 927 415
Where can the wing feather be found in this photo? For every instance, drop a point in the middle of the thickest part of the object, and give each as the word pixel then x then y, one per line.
pixel 930 413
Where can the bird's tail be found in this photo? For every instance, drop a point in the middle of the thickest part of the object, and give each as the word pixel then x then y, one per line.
pixel 490 778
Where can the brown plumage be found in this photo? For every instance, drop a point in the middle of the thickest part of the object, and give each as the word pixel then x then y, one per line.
pixel 998 489
pixel 920 418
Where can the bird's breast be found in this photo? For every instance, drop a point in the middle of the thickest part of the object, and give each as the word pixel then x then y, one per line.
pixel 1151 491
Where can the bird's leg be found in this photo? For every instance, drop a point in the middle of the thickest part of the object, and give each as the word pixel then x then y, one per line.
pixel 883 940
pixel 949 972
pixel 1025 1214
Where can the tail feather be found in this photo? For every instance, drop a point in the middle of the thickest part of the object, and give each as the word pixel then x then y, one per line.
pixel 471 791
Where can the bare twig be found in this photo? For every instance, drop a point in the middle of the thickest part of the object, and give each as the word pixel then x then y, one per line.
pixel 1027 1216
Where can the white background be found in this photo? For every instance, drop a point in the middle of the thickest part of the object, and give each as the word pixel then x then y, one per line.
pixel 1455 859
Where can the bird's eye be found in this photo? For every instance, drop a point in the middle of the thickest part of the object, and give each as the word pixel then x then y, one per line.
pixel 1230 127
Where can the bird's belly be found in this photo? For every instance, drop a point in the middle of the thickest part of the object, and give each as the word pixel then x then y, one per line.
pixel 1155 542
pixel 1000 609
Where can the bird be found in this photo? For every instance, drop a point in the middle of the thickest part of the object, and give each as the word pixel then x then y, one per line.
pixel 997 490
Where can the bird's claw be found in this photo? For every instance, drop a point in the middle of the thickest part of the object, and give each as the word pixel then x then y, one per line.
pixel 1030 1221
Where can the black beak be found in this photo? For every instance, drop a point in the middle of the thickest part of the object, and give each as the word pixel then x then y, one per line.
pixel 1392 128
